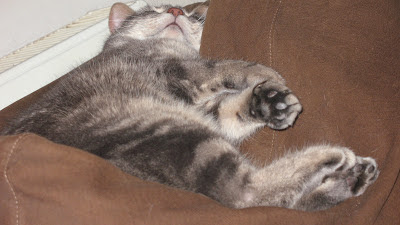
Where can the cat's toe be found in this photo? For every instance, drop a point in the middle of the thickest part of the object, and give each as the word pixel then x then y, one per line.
pixel 365 172
pixel 276 105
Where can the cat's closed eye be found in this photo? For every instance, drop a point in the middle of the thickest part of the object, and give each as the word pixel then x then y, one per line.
pixel 200 18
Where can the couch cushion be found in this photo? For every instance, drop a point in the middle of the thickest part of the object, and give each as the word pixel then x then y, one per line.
pixel 342 59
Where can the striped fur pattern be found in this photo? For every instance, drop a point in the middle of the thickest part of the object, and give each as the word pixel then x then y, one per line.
pixel 151 106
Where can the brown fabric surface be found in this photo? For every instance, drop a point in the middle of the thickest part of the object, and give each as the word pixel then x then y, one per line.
pixel 342 59
pixel 339 57
pixel 47 183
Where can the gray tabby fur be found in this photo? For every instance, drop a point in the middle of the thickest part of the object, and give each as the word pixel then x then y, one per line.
pixel 151 106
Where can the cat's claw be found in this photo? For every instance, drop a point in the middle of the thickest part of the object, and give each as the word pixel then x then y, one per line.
pixel 275 104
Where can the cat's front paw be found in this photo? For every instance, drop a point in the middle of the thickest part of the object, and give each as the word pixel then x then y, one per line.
pixel 275 104
pixel 348 178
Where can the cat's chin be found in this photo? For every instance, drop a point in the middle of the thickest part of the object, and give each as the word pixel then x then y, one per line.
pixel 172 32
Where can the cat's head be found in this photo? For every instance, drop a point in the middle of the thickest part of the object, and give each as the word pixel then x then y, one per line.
pixel 182 24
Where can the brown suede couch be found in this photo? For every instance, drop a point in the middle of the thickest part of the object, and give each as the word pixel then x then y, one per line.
pixel 340 57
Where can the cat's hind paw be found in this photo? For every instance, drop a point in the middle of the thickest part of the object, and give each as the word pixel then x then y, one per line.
pixel 350 178
pixel 357 178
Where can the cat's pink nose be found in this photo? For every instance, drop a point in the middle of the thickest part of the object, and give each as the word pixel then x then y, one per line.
pixel 175 11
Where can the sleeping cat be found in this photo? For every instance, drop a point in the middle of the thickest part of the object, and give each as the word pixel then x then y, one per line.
pixel 151 106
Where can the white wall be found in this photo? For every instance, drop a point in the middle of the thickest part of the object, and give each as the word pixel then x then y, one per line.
pixel 22 22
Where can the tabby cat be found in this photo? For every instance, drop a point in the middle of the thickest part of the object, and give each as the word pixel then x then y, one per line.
pixel 152 107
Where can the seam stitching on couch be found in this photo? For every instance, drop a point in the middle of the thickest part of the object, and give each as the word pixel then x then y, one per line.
pixel 270 62
pixel 270 32
pixel 7 179
pixel 272 144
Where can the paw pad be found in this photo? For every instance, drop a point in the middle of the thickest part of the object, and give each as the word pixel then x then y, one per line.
pixel 274 104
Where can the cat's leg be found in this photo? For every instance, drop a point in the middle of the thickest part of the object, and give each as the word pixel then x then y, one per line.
pixel 243 97
pixel 316 178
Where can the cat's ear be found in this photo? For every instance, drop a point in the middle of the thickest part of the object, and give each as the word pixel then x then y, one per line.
pixel 200 8
pixel 118 14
